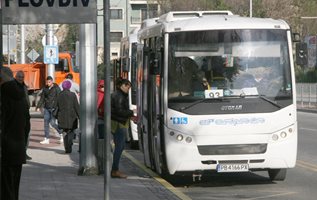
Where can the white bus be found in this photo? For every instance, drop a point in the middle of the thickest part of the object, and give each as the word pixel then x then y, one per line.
pixel 126 68
pixel 217 93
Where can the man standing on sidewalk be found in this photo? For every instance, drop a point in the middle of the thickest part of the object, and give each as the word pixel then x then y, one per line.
pixel 49 100
pixel 19 77
pixel 13 121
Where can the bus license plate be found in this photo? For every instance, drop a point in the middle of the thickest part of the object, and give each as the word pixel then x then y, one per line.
pixel 232 168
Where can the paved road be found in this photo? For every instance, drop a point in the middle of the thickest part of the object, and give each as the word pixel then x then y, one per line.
pixel 300 183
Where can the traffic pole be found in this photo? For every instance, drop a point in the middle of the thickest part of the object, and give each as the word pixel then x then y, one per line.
pixel 107 101
pixel 50 42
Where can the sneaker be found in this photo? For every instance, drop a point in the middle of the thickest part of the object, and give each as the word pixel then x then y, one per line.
pixel 45 141
pixel 61 139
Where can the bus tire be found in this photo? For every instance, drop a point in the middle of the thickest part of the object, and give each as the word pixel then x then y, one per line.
pixel 277 174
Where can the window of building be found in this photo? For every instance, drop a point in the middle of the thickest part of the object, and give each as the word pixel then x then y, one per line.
pixel 115 36
pixel 116 14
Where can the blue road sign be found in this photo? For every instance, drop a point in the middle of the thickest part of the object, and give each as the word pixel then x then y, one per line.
pixel 50 54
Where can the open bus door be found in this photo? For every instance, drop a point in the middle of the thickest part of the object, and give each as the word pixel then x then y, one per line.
pixel 152 109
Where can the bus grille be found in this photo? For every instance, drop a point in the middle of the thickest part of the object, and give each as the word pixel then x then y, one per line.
pixel 232 149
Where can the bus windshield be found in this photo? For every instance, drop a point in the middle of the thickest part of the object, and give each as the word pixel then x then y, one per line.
pixel 229 65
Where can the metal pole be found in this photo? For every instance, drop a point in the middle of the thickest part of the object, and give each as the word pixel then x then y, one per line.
pixel 50 41
pixel 88 99
pixel 147 9
pixel 8 42
pixel 301 94
pixel 127 18
pixel 22 44
pixel 107 102
pixel 309 97
pixel 1 57
pixel 251 8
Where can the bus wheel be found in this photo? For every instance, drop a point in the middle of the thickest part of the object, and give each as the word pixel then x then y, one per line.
pixel 277 174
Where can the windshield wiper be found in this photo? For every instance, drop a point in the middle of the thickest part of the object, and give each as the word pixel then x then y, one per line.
pixel 270 101
pixel 197 102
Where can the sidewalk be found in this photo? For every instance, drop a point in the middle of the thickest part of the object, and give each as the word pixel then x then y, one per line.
pixel 52 175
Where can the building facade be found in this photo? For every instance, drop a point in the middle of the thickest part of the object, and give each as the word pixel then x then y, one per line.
pixel 125 15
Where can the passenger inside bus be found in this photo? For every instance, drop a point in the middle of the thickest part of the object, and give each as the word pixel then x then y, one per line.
pixel 200 82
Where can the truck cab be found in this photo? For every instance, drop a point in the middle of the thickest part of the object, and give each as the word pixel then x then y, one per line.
pixel 65 66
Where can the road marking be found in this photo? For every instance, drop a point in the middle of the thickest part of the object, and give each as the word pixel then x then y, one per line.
pixel 273 195
pixel 307 165
pixel 163 182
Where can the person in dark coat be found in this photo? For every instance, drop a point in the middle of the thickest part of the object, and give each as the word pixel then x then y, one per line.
pixel 19 77
pixel 67 114
pixel 13 123
pixel 120 115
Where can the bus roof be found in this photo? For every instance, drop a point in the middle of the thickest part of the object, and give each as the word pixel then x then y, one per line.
pixel 218 22
pixel 181 15
pixel 132 37
pixel 148 22
pixel 212 22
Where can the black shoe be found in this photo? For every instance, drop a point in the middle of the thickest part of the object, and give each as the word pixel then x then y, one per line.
pixel 28 157
pixel 67 151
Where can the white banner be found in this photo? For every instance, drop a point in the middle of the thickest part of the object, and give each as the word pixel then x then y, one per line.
pixel 49 11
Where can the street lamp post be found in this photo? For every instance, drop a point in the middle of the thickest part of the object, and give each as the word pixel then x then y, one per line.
pixel 250 8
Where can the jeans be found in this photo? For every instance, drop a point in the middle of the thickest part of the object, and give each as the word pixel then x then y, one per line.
pixel 49 119
pixel 119 142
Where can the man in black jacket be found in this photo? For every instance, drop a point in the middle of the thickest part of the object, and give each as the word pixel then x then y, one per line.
pixel 120 115
pixel 19 77
pixel 49 101
pixel 13 121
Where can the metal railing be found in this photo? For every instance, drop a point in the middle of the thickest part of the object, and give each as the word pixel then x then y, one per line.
pixel 306 95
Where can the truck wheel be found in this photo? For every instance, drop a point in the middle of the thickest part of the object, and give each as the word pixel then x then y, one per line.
pixel 277 174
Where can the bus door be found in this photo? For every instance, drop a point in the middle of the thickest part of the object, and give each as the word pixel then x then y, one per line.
pixel 144 108
pixel 154 105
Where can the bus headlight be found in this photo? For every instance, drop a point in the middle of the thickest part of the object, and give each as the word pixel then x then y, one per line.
pixel 172 133
pixel 283 134
pixel 188 139
pixel 274 137
pixel 179 137
pixel 290 130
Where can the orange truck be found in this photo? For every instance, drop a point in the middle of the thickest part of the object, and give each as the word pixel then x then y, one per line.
pixel 35 73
